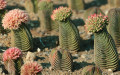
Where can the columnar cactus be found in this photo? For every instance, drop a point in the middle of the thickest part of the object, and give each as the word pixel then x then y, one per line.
pixel 105 53
pixel 114 25
pixel 61 60
pixel 12 58
pixel 68 33
pixel 2 13
pixel 91 70
pixel 44 12
pixel 16 21
pixel 76 4
pixel 31 68
pixel 93 10
pixel 114 3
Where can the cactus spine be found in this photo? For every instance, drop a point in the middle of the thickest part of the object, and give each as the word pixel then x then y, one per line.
pixel 91 70
pixel 61 60
pixel 22 38
pixel 114 25
pixel 105 53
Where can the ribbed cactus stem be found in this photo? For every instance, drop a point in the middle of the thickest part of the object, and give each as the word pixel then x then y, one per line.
pixel 69 36
pixel 105 53
pixel 22 38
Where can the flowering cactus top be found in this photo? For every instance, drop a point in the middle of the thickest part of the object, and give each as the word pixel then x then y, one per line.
pixel 30 68
pixel 14 18
pixel 11 54
pixel 95 23
pixel 2 4
pixel 61 14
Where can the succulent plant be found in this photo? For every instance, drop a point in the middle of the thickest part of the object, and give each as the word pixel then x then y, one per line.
pixel 93 10
pixel 114 3
pixel 16 21
pixel 31 68
pixel 68 33
pixel 61 60
pixel 114 25
pixel 105 52
pixel 12 58
pixel 76 4
pixel 91 70
pixel 45 10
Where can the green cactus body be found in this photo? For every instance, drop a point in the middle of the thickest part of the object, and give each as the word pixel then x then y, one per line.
pixel 93 10
pixel 105 52
pixel 91 70
pixel 22 38
pixel 114 25
pixel 13 66
pixel 69 36
pixel 76 4
pixel 66 62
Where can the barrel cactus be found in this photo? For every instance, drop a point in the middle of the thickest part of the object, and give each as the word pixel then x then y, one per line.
pixel 44 12
pixel 68 33
pixel 31 68
pixel 61 60
pixel 76 4
pixel 114 25
pixel 114 3
pixel 93 10
pixel 16 20
pixel 105 52
pixel 12 59
pixel 91 70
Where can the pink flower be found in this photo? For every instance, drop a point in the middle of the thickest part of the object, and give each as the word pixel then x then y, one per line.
pixel 14 18
pixel 2 4
pixel 30 68
pixel 12 54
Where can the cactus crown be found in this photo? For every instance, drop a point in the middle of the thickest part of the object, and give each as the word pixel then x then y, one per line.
pixel 61 14
pixel 45 5
pixel 31 68
pixel 2 4
pixel 14 18
pixel 12 53
pixel 96 22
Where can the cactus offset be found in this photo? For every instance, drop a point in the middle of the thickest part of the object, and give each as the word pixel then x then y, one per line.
pixel 12 58
pixel 31 68
pixel 105 53
pixel 114 25
pixel 68 33
pixel 91 70
pixel 20 34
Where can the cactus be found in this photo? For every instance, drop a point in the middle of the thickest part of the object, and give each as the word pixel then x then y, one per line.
pixel 93 10
pixel 12 58
pixel 113 26
pixel 105 52
pixel 91 70
pixel 61 60
pixel 76 4
pixel 114 3
pixel 45 9
pixel 20 34
pixel 31 68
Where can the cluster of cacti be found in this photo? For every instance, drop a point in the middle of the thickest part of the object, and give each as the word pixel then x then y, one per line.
pixel 93 10
pixel 31 68
pixel 105 53
pixel 114 25
pixel 12 58
pixel 16 20
pixel 44 12
pixel 61 60
pixel 69 37
pixel 91 70
pixel 114 3
pixel 76 4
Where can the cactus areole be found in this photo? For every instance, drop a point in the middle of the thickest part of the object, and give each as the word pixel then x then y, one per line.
pixel 105 53
pixel 68 33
